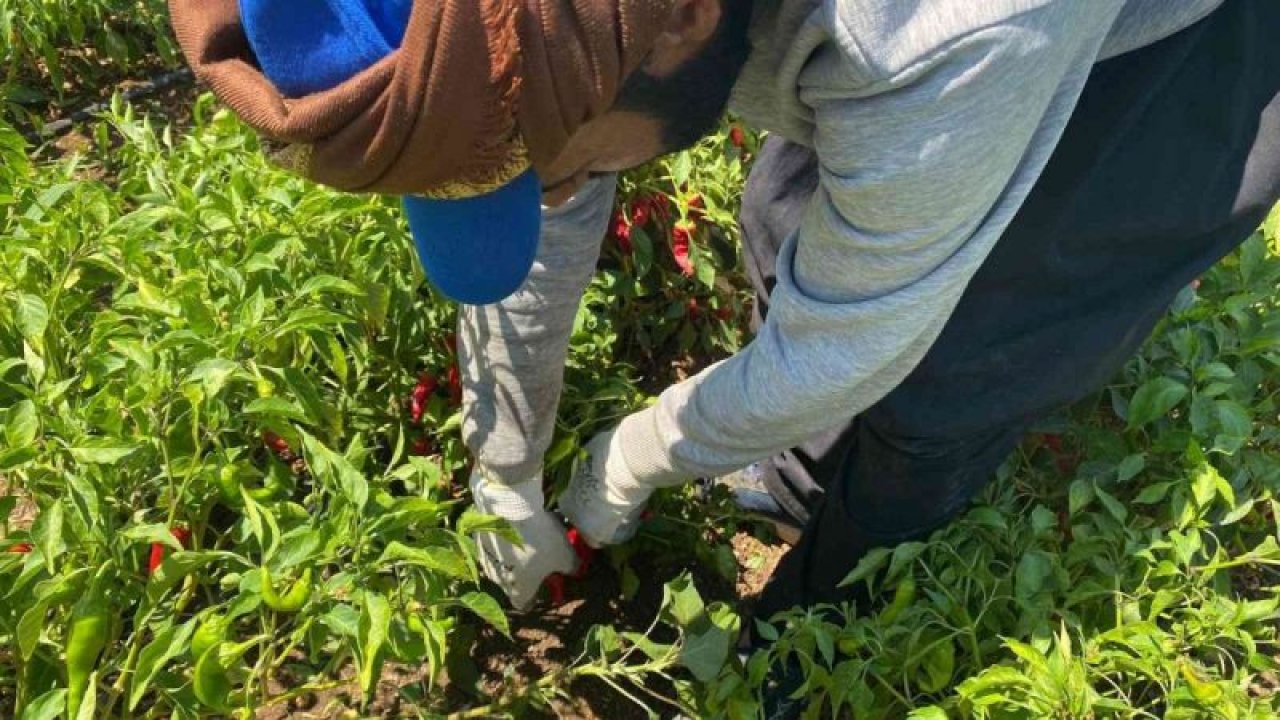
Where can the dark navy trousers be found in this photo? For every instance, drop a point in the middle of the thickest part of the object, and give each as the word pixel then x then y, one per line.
pixel 1170 161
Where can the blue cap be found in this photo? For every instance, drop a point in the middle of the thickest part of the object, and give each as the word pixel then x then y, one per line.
pixel 476 250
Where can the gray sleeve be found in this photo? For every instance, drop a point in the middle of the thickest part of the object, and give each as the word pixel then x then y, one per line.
pixel 919 176
pixel 512 354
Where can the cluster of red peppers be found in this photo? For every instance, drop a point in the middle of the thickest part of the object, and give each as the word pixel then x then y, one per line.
pixel 420 396
pixel 555 582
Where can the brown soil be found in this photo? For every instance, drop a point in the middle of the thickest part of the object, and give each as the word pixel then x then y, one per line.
pixel 24 513
pixel 545 642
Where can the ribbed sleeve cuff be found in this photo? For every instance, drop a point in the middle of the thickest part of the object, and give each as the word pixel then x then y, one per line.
pixel 646 455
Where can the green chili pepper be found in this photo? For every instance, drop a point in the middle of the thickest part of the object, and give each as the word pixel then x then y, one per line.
pixel 210 682
pixel 229 485
pixel 90 625
pixel 848 644
pixel 902 597
pixel 293 599
pixel 212 631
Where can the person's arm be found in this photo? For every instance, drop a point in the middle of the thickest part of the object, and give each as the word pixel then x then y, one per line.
pixel 919 175
pixel 512 357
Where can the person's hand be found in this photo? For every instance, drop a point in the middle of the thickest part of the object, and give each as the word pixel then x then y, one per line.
pixel 603 500
pixel 520 570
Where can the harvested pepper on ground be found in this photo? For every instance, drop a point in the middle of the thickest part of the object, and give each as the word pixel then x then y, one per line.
pixel 293 599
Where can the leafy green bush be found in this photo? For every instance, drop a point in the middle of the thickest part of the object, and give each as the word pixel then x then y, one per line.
pixel 205 373
pixel 47 43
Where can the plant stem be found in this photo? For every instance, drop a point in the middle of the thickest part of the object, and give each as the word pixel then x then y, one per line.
pixel 492 709
pixel 301 690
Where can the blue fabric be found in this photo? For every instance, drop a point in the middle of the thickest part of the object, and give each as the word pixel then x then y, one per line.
pixel 496 240
pixel 477 250
pixel 305 46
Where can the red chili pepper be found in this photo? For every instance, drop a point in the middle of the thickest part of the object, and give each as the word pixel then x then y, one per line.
pixel 586 554
pixel 691 309
pixel 736 136
pixel 724 313
pixel 275 442
pixel 421 447
pixel 1053 442
pixel 555 586
pixel 455 385
pixel 661 205
pixel 21 548
pixel 420 396
pixel 621 232
pixel 680 238
pixel 157 557
pixel 181 534
pixel 641 211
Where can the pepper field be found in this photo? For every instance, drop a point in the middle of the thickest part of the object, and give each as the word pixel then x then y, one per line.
pixel 232 485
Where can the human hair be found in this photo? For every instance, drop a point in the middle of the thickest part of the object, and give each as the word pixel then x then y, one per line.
pixel 690 101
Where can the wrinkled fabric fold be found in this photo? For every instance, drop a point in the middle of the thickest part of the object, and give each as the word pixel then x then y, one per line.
pixel 477 92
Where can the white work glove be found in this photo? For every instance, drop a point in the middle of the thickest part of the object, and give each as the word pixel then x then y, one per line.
pixel 519 571
pixel 603 500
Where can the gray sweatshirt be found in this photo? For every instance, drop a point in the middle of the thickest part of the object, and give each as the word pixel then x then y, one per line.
pixel 931 120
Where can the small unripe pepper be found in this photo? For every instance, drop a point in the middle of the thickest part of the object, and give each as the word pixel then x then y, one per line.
pixel 848 644
pixel 902 597
pixel 293 599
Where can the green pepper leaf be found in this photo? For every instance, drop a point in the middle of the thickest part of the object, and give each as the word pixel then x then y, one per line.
pixel 166 645
pixel 46 707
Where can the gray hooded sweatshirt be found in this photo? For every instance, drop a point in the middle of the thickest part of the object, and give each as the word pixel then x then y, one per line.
pixel 931 120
